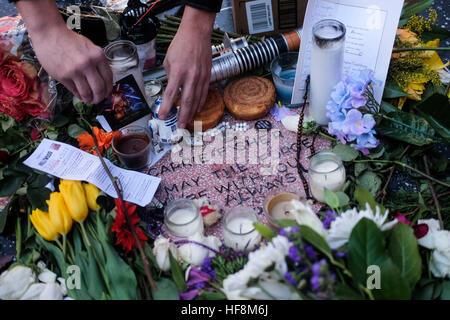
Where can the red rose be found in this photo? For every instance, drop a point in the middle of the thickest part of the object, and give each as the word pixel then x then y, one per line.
pixel 16 78
pixel 9 106
pixel 35 134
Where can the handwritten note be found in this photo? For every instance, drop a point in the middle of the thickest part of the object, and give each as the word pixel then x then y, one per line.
pixel 370 34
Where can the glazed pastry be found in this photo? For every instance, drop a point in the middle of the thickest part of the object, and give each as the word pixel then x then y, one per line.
pixel 211 113
pixel 250 98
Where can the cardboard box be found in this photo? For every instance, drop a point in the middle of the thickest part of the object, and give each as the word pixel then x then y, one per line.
pixel 268 17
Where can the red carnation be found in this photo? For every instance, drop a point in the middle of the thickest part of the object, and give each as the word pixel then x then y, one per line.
pixel 120 226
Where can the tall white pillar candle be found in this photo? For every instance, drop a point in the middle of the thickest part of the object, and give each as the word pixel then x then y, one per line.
pixel 327 60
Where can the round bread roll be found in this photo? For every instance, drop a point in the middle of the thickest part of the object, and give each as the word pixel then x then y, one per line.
pixel 211 113
pixel 250 98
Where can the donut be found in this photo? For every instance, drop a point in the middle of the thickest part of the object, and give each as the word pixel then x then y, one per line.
pixel 211 112
pixel 250 98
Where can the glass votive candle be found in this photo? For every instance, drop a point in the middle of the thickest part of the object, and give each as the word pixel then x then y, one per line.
pixel 153 89
pixel 132 146
pixel 278 206
pixel 325 171
pixel 239 233
pixel 182 218
pixel 283 70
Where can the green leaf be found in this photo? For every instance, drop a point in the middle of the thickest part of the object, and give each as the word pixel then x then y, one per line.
pixel 344 292
pixel 406 127
pixel 404 252
pixel 360 167
pixel 362 196
pixel 366 248
pixel 369 180
pixel 264 230
pixel 177 273
pixel 60 121
pixel 415 8
pixel 445 295
pixel 211 296
pixel 167 290
pixel 392 90
pixel 345 152
pixel 120 278
pixel 343 199
pixel 331 198
pixel 10 184
pixel 316 240
pixel 75 130
pixel 436 110
pixel 436 32
pixel 38 197
pixel 285 223
pixel 387 107
pixel 9 123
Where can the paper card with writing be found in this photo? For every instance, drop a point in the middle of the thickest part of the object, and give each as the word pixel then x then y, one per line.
pixel 370 33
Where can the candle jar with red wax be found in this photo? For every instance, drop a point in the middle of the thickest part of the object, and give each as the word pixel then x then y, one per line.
pixel 132 146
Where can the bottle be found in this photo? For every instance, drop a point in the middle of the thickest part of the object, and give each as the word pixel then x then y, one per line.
pixel 123 59
pixel 142 34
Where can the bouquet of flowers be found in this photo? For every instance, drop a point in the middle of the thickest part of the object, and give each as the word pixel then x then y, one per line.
pixel 22 93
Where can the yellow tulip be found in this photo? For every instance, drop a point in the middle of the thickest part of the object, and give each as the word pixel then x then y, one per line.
pixel 75 199
pixel 92 193
pixel 41 221
pixel 58 213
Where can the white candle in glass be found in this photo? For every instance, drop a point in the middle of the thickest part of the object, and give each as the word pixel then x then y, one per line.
pixel 327 60
pixel 278 206
pixel 239 232
pixel 325 171
pixel 182 218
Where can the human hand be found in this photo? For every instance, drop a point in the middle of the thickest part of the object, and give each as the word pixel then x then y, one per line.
pixel 75 61
pixel 188 65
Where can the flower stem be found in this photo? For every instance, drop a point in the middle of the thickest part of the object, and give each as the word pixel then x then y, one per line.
pixel 422 49
pixel 326 136
pixel 127 217
pixel 83 231
pixel 435 199
pixel 408 167
pixel 64 244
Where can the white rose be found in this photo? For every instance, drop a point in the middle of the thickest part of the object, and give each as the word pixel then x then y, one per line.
pixel 161 251
pixel 62 283
pixel 270 288
pixel 440 259
pixel 52 291
pixel 33 292
pixel 304 215
pixel 193 253
pixel 428 240
pixel 15 282
pixel 47 276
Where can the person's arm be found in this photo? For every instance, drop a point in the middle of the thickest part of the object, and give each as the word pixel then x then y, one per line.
pixel 188 64
pixel 67 56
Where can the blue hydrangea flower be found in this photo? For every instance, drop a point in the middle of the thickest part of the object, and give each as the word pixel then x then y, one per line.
pixel 357 124
pixel 366 141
